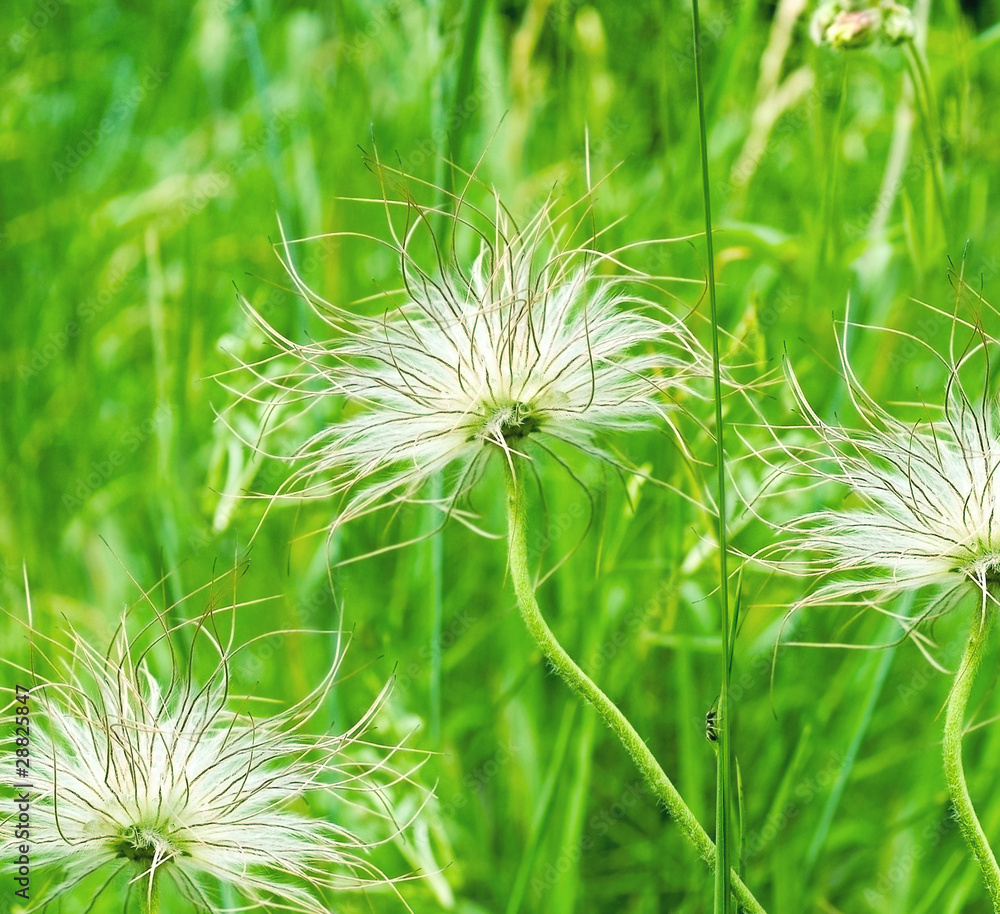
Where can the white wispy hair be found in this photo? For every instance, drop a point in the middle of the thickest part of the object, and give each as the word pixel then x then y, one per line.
pixel 928 489
pixel 184 783
pixel 533 341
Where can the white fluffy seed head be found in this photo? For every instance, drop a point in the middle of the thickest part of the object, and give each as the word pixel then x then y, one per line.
pixel 183 784
pixel 927 490
pixel 530 342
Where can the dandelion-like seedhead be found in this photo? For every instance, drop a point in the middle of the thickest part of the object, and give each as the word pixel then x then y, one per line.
pixel 531 342
pixel 182 783
pixel 927 490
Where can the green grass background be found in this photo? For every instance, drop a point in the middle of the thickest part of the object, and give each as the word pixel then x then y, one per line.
pixel 147 154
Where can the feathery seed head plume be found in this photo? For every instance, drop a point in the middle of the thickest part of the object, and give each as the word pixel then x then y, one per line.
pixel 927 490
pixel 531 340
pixel 181 784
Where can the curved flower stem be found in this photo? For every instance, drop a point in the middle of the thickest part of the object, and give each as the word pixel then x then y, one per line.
pixel 151 896
pixel 954 728
pixel 587 689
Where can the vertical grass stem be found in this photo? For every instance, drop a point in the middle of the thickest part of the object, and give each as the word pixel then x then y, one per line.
pixel 923 94
pixel 724 783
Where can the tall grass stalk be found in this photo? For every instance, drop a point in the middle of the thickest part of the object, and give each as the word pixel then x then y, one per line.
pixel 587 689
pixel 723 825
pixel 923 93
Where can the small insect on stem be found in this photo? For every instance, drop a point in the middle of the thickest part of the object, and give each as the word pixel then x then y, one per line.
pixel 711 718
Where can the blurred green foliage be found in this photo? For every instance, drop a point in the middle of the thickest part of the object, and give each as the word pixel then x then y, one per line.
pixel 148 156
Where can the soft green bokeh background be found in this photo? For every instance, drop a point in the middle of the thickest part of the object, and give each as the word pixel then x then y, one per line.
pixel 147 156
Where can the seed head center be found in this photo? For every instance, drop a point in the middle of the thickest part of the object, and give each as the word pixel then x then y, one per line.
pixel 510 422
pixel 984 568
pixel 991 572
pixel 145 843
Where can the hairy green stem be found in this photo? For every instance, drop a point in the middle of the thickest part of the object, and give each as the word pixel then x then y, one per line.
pixel 954 728
pixel 151 895
pixel 587 689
